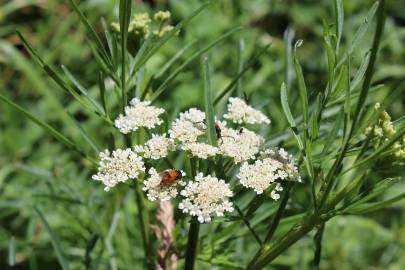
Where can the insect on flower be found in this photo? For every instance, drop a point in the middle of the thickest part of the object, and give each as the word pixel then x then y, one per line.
pixel 170 176
pixel 218 132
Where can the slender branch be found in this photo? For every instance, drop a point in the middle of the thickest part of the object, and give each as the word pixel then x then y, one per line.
pixel 247 223
pixel 191 252
pixel 280 212
pixel 318 246
pixel 330 179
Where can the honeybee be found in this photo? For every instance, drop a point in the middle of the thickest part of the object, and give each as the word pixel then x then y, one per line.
pixel 170 176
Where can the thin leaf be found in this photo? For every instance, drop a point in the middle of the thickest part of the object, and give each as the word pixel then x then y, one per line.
pixel 339 21
pixel 82 90
pixel 231 85
pixel 11 252
pixel 92 34
pixel 360 32
pixel 241 48
pixel 208 105
pixel 302 88
pixel 197 54
pixel 125 16
pixel 59 136
pixel 54 240
pixel 286 107
pixel 85 135
pixel 369 207
pixel 176 57
pixel 150 50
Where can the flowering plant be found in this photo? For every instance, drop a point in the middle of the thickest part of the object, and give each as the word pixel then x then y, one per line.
pixel 200 169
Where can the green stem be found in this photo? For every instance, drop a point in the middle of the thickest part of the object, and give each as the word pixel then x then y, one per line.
pixel 191 252
pixel 280 212
pixel 247 223
pixel 143 216
pixel 331 177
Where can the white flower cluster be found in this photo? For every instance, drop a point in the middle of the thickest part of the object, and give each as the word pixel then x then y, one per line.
pixel 159 190
pixel 273 165
pixel 139 114
pixel 206 196
pixel 239 145
pixel 119 167
pixel 157 147
pixel 240 112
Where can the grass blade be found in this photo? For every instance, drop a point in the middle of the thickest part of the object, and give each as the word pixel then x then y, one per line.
pixel 301 87
pixel 339 21
pixel 125 16
pixel 82 90
pixel 86 136
pixel 149 52
pixel 231 85
pixel 54 240
pixel 92 34
pixel 197 54
pixel 11 252
pixel 286 107
pixel 59 136
pixel 208 105
pixel 241 48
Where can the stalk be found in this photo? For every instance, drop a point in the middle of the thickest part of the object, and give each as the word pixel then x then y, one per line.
pixel 191 252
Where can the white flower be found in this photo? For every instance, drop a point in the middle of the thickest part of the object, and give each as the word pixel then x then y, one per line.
pixel 205 197
pixel 201 150
pixel 189 126
pixel 274 165
pixel 139 114
pixel 240 112
pixel 240 145
pixel 119 167
pixel 193 115
pixel 157 147
pixel 158 190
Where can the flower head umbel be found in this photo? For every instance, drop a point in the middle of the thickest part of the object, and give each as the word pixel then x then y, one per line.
pixel 156 147
pixel 139 114
pixel 206 196
pixel 273 165
pixel 189 126
pixel 240 112
pixel 239 145
pixel 158 189
pixel 118 167
pixel 200 150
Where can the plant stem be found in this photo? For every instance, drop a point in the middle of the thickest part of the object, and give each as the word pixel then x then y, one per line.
pixel 331 177
pixel 318 246
pixel 143 216
pixel 247 223
pixel 279 214
pixel 191 252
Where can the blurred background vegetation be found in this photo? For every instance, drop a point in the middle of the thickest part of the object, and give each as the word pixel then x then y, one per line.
pixel 37 171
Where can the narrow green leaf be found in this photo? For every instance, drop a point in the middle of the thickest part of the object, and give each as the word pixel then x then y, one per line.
pixel 92 34
pixel 360 72
pixel 208 105
pixel 361 31
pixel 54 240
pixel 301 87
pixel 288 38
pixel 176 57
pixel 82 90
pixel 248 65
pixel 101 86
pixel 331 136
pixel 125 16
pixel 59 136
pixel 241 48
pixel 197 54
pixel 86 136
pixel 339 21
pixel 153 47
pixel 11 252
pixel 370 207
pixel 286 107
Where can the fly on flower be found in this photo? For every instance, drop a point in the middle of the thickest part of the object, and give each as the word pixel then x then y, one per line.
pixel 169 177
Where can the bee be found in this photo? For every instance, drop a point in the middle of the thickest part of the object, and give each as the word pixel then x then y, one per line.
pixel 218 132
pixel 170 176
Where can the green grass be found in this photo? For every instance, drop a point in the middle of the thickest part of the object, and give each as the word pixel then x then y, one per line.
pixel 54 217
